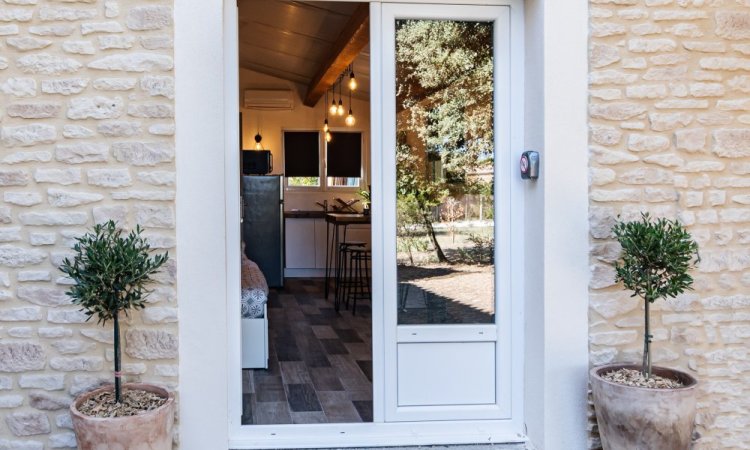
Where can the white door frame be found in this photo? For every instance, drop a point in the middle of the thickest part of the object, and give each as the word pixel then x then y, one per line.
pixel 208 229
pixel 507 333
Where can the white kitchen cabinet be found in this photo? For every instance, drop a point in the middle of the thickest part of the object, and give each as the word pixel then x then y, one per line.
pixel 320 243
pixel 300 243
pixel 306 244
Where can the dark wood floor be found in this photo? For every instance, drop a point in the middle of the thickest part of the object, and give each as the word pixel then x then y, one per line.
pixel 320 361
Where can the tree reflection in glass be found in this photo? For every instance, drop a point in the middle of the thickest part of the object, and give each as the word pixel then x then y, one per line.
pixel 445 171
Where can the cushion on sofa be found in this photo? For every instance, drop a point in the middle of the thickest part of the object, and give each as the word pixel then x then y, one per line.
pixel 252 303
pixel 254 290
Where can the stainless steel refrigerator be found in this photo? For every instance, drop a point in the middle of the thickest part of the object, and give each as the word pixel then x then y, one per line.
pixel 263 225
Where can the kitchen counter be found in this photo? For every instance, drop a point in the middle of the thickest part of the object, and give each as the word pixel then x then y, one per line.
pixel 329 216
pixel 304 214
pixel 347 218
pixel 307 236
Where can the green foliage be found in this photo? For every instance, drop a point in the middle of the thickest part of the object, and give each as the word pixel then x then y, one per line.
pixel 417 194
pixel 111 271
pixel 304 181
pixel 410 229
pixel 365 194
pixel 656 257
pixel 444 73
pixel 413 182
pixel 654 263
pixel 445 79
pixel 480 187
pixel 482 249
pixel 412 243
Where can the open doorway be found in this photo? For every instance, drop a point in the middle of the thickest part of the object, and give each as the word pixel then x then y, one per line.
pixel 306 259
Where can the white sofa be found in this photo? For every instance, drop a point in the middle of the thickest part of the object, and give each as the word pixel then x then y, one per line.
pixel 254 316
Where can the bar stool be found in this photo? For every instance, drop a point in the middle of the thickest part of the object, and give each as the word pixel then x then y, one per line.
pixel 359 284
pixel 343 259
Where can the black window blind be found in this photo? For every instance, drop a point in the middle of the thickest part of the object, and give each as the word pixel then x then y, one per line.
pixel 345 155
pixel 301 154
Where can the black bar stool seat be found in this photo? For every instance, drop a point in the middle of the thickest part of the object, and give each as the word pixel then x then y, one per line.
pixel 358 287
pixel 343 260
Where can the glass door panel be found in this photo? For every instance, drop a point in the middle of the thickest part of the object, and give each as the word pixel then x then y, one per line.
pixel 446 207
pixel 445 171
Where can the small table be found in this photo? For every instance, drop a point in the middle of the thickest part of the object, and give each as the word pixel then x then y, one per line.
pixel 338 220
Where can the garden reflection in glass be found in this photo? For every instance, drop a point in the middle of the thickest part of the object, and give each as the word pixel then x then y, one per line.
pixel 445 172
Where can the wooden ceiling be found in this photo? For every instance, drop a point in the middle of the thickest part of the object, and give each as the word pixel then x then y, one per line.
pixel 305 42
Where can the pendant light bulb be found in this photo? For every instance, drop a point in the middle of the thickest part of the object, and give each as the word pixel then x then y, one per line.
pixel 325 126
pixel 333 107
pixel 328 136
pixel 258 145
pixel 340 107
pixel 350 118
pixel 352 81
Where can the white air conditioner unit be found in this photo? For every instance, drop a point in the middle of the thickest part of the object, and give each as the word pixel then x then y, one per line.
pixel 269 99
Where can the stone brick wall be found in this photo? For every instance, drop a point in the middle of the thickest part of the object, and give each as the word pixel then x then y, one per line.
pixel 86 134
pixel 670 134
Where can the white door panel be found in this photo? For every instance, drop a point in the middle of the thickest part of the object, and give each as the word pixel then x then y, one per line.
pixel 447 331
pixel 446 374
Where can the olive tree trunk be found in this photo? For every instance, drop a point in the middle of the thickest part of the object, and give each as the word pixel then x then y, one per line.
pixel 118 363
pixel 646 369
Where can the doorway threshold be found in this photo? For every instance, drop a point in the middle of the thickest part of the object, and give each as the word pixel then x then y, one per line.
pixel 517 446
pixel 473 435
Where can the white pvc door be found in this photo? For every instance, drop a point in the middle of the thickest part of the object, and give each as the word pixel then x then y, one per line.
pixel 447 207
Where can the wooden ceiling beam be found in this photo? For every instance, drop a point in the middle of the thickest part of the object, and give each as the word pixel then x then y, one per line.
pixel 353 38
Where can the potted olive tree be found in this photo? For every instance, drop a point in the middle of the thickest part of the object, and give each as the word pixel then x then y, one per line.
pixel 640 406
pixel 111 271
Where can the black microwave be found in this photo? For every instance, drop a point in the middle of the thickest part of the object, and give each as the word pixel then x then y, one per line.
pixel 257 162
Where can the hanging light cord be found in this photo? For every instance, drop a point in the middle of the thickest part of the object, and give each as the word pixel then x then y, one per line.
pixel 338 109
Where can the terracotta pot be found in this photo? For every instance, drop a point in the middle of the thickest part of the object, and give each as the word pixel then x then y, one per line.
pixel 151 430
pixel 636 418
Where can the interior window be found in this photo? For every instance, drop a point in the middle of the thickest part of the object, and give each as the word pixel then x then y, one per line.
pixel 344 160
pixel 302 158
